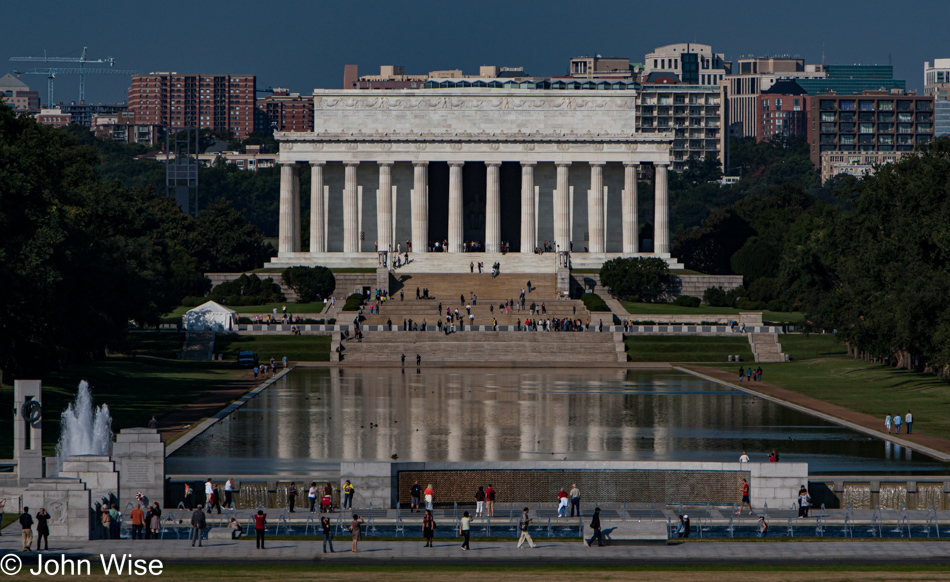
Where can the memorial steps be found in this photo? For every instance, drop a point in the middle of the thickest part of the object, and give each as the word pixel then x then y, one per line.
pixel 486 347
pixel 447 287
pixel 766 348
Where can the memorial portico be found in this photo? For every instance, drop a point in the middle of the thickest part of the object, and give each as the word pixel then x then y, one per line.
pixel 462 169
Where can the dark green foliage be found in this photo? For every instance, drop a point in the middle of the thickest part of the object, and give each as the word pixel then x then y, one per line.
pixel 309 283
pixel 647 278
pixel 246 290
pixel 353 302
pixel 594 302
pixel 687 301
pixel 715 297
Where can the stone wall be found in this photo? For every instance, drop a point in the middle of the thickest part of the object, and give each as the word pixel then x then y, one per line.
pixel 68 504
pixel 692 285
pixel 385 484
pixel 139 455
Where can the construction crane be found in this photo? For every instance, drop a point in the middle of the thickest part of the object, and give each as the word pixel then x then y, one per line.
pixel 81 70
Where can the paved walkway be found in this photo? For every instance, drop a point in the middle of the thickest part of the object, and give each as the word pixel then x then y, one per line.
pixel 414 552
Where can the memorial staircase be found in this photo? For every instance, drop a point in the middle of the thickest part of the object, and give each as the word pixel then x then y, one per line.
pixel 766 348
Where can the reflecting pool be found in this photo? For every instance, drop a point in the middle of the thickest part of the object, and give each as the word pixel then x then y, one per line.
pixel 312 419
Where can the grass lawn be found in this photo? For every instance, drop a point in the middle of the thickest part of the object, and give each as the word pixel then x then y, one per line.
pixel 670 309
pixel 135 388
pixel 486 570
pixel 7 518
pixel 812 346
pixel 159 344
pixel 870 388
pixel 297 348
pixel 594 302
pixel 686 348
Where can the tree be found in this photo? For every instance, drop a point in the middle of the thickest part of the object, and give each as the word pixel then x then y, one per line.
pixel 309 283
pixel 226 241
pixel 645 278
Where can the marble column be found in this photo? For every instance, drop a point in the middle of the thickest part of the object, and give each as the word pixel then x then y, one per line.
pixel 420 207
pixel 384 207
pixel 289 226
pixel 562 208
pixel 661 226
pixel 631 226
pixel 493 208
pixel 528 233
pixel 351 226
pixel 595 208
pixel 455 207
pixel 317 236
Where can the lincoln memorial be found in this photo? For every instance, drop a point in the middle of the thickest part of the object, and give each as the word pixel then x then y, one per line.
pixel 460 175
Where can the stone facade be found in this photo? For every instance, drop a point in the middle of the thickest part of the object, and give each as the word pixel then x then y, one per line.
pixel 97 472
pixel 68 503
pixel 139 456
pixel 375 187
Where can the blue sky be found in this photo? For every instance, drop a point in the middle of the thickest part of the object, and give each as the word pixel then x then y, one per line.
pixel 302 44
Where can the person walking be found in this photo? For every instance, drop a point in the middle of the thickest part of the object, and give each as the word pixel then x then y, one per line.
pixel 595 527
pixel 138 522
pixel 887 423
pixel 356 529
pixel 763 527
pixel 680 528
pixel 897 423
pixel 291 496
pixel 909 421
pixel 348 491
pixel 198 524
pixel 42 530
pixel 479 501
pixel 523 525
pixel 26 524
pixel 260 526
pixel 490 501
pixel 327 534
pixel 804 502
pixel 429 496
pixel 741 373
pixel 745 498
pixel 312 495
pixel 575 500
pixel 465 529
pixel 428 528
pixel 415 495
pixel 562 503
pixel 228 490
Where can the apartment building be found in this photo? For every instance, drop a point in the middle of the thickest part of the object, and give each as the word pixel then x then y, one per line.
pixel 750 77
pixel 694 114
pixel 284 111
pixel 781 112
pixel 221 103
pixel 17 95
pixel 937 84
pixel 693 63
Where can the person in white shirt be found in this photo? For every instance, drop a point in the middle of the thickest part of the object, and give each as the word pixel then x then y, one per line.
pixel 228 489
pixel 744 458
pixel 909 421
pixel 312 495
pixel 465 527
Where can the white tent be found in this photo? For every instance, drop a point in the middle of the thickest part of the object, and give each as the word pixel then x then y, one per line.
pixel 210 316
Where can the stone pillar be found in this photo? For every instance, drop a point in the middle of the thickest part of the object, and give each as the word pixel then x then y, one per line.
pixel 289 227
pixel 317 236
pixel 562 209
pixel 27 436
pixel 595 208
pixel 420 207
pixel 139 455
pixel 661 227
pixel 631 226
pixel 528 226
pixel 351 226
pixel 384 207
pixel 493 208
pixel 455 207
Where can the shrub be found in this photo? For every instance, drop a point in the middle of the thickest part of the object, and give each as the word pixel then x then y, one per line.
pixel 775 305
pixel 246 290
pixel 353 302
pixel 309 283
pixel 763 289
pixel 594 302
pixel 687 301
pixel 715 297
pixel 649 278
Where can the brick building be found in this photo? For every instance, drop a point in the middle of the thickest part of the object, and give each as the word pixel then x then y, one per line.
pixel 18 96
pixel 53 118
pixel 781 112
pixel 284 111
pixel 873 121
pixel 221 103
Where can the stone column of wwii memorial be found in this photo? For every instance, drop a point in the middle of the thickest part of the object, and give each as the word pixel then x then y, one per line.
pixel 629 209
pixel 455 207
pixel 317 236
pixel 595 208
pixel 562 209
pixel 528 234
pixel 420 207
pixel 351 226
pixel 661 228
pixel 289 222
pixel 384 207
pixel 493 208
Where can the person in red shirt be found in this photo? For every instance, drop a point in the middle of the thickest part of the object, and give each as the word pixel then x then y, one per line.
pixel 138 522
pixel 562 503
pixel 260 522
pixel 490 501
pixel 745 498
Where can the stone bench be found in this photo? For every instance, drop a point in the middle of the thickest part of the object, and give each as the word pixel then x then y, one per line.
pixel 629 532
pixel 219 533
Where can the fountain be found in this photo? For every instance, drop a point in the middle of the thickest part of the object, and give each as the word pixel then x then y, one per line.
pixel 85 429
